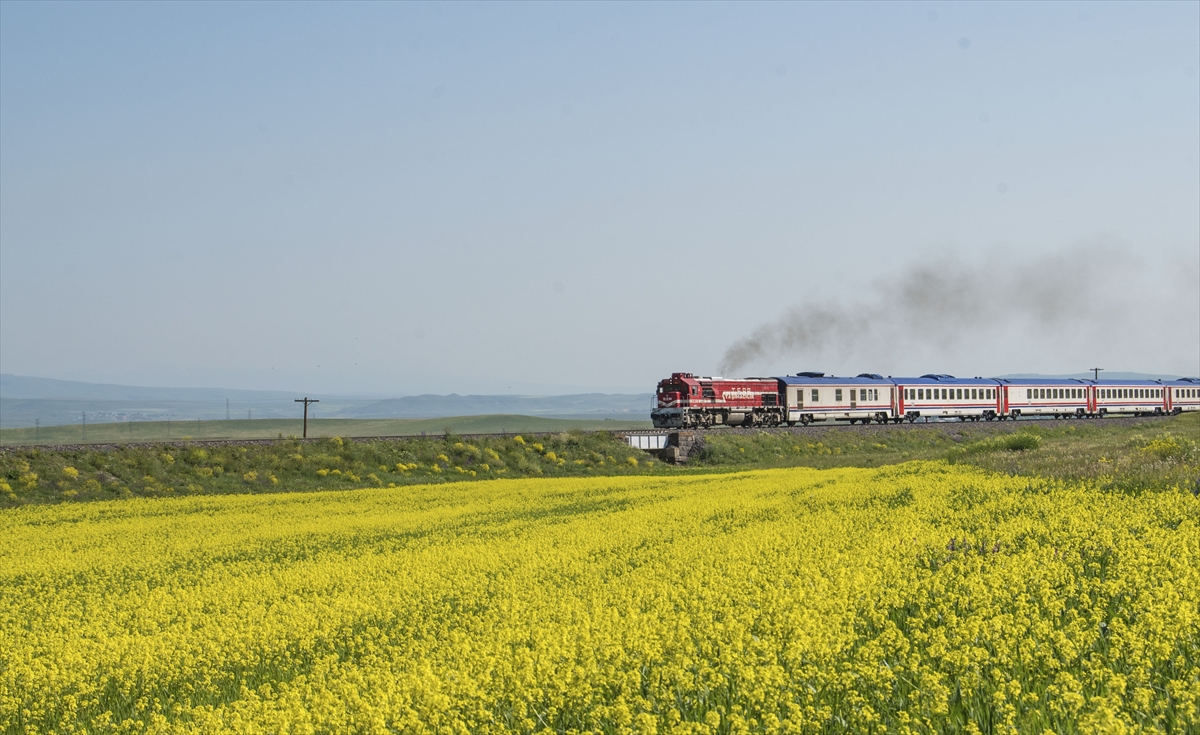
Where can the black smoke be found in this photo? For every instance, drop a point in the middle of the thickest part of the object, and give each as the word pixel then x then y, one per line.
pixel 943 303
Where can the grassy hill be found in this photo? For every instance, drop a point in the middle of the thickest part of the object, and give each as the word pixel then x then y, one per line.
pixel 140 431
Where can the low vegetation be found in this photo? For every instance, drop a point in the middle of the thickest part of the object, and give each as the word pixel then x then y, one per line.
pixel 1127 456
pixel 1123 455
pixel 168 470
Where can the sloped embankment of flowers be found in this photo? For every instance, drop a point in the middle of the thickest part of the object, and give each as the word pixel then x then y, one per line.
pixel 923 596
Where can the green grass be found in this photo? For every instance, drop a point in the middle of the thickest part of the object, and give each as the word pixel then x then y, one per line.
pixel 1121 455
pixel 37 475
pixel 156 431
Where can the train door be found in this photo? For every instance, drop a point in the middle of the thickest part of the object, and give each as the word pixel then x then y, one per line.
pixel 1168 399
pixel 896 393
pixel 1002 396
pixel 853 398
pixel 1091 399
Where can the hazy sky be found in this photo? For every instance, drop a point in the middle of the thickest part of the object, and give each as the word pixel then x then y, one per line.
pixel 474 198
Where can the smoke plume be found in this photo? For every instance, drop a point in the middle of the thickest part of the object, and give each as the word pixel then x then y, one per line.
pixel 939 303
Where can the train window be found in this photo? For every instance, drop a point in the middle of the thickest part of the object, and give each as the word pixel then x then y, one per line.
pixel 816 396
pixel 862 394
pixel 693 391
pixel 837 395
pixel 921 393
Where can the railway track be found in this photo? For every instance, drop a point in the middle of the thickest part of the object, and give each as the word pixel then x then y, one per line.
pixel 810 430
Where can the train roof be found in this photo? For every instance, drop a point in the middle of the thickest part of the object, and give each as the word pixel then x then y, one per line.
pixel 814 378
pixel 1053 381
pixel 943 379
pixel 1183 381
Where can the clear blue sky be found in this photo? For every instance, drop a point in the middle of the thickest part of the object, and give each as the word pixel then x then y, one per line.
pixel 472 198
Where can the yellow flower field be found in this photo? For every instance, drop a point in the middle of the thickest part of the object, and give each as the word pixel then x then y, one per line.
pixel 917 598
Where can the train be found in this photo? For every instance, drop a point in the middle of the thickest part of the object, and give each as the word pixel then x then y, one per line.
pixel 688 401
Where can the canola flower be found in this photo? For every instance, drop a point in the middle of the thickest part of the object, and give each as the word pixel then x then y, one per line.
pixel 917 598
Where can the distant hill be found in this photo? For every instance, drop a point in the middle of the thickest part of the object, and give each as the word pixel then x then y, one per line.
pixel 29 401
pixel 21 386
pixel 597 405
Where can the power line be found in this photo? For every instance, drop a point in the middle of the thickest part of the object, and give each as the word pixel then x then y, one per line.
pixel 306 400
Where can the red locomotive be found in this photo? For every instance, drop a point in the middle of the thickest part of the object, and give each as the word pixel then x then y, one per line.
pixel 685 400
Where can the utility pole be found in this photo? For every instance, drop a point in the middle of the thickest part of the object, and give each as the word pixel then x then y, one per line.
pixel 226 409
pixel 85 426
pixel 306 400
pixel 1096 371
